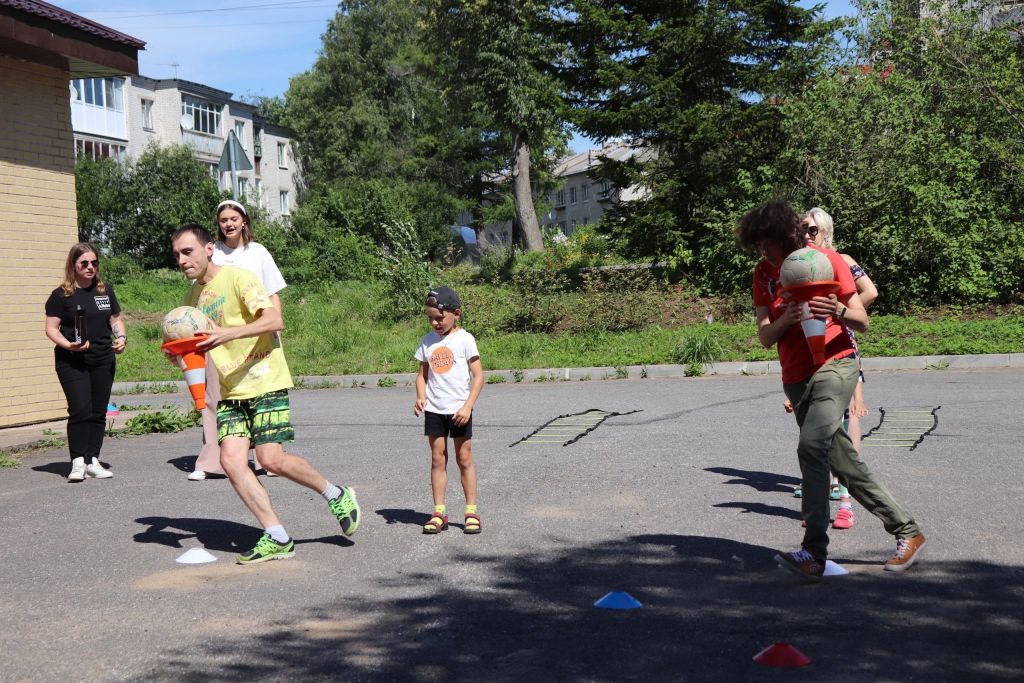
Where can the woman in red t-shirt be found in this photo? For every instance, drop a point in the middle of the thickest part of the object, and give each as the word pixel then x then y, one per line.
pixel 819 393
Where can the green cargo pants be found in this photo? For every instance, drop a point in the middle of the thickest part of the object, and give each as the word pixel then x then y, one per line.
pixel 819 404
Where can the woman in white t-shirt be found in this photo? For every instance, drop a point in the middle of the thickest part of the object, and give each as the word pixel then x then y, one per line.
pixel 234 247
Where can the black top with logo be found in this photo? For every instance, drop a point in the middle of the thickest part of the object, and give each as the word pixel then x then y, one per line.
pixel 98 308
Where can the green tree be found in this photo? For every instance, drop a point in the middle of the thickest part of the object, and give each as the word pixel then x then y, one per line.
pixel 132 209
pixel 499 63
pixel 99 188
pixel 696 85
pixel 369 112
pixel 918 155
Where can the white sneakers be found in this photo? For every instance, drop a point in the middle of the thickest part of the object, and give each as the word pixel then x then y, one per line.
pixel 97 471
pixel 94 470
pixel 197 475
pixel 77 470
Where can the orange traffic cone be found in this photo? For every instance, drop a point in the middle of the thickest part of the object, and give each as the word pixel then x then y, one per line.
pixel 193 362
pixel 814 332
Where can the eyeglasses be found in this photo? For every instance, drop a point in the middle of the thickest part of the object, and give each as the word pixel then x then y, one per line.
pixel 85 263
pixel 811 230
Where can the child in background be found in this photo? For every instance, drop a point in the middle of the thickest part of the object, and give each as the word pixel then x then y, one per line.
pixel 447 386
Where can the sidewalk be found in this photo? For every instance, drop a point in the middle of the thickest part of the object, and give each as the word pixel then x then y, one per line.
pixel 16 437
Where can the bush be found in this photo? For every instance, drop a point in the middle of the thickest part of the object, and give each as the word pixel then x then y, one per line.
pixel 615 299
pixel 537 310
pixel 407 274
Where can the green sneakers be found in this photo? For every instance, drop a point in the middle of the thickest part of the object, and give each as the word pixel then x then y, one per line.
pixel 346 509
pixel 268 549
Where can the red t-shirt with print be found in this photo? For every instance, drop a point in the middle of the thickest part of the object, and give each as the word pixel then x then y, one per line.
pixel 794 354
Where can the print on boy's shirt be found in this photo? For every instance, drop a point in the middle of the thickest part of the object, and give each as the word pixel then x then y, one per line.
pixel 102 302
pixel 442 360
pixel 257 356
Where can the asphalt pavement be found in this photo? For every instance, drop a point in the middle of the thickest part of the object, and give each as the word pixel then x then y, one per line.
pixel 680 500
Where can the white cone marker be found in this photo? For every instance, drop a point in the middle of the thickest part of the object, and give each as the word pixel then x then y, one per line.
pixel 195 556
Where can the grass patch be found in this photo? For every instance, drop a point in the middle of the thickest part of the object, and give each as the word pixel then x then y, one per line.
pixel 342 329
pixel 9 461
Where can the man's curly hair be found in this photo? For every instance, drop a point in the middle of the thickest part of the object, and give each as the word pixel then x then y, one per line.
pixel 775 221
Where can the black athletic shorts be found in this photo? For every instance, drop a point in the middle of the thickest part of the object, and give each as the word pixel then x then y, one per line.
pixel 435 424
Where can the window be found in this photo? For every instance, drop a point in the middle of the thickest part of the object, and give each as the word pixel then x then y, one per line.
pixel 240 132
pixel 281 155
pixel 585 190
pixel 205 115
pixel 572 195
pixel 259 192
pixel 98 149
pixel 106 93
pixel 562 226
pixel 560 198
pixel 285 209
pixel 257 141
pixel 147 114
pixel 243 188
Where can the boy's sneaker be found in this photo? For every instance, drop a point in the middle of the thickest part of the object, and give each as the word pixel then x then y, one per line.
pixel 833 492
pixel 97 471
pixel 798 492
pixel 803 564
pixel 906 553
pixel 77 470
pixel 844 519
pixel 346 510
pixel 268 549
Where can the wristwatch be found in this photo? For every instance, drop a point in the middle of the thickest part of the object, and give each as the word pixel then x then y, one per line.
pixel 841 311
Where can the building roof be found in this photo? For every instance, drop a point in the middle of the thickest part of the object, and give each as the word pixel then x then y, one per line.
pixel 61 16
pixel 584 161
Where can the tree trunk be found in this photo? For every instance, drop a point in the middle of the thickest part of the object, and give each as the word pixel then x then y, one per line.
pixel 478 216
pixel 522 194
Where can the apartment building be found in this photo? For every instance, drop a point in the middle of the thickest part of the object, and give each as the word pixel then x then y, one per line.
pixel 120 117
pixel 581 198
pixel 42 47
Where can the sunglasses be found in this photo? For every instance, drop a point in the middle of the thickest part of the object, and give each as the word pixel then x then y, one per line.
pixel 811 230
pixel 85 263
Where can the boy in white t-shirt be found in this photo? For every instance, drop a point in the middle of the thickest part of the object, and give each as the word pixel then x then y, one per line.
pixel 447 386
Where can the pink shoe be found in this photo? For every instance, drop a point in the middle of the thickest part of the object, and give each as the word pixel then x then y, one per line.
pixel 844 519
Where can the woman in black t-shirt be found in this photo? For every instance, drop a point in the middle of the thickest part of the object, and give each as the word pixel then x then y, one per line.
pixel 83 319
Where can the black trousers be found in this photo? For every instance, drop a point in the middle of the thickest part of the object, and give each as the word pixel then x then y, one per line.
pixel 87 388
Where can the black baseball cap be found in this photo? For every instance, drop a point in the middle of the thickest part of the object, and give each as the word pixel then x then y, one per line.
pixel 443 299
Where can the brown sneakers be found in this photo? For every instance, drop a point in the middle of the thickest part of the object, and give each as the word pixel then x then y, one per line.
pixel 907 550
pixel 803 564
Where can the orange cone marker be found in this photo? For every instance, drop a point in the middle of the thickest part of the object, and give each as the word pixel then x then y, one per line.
pixel 193 363
pixel 814 328
pixel 782 655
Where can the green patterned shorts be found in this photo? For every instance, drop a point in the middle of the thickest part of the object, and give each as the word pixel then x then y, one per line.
pixel 261 419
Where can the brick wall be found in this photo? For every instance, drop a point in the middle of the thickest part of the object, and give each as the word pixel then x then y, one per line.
pixel 38 225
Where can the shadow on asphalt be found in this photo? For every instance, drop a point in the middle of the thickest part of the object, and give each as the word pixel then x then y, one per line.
pixel 213 534
pixel 762 509
pixel 185 463
pixel 403 516
pixel 768 482
pixel 710 604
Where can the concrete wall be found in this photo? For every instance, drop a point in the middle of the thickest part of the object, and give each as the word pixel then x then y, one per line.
pixel 39 225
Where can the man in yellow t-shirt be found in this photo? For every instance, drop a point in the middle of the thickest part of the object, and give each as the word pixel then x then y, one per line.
pixel 254 383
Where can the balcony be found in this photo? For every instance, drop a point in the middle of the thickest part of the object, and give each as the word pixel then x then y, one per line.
pixel 202 144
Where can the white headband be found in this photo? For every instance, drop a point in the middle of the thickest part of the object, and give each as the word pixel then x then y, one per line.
pixel 233 204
